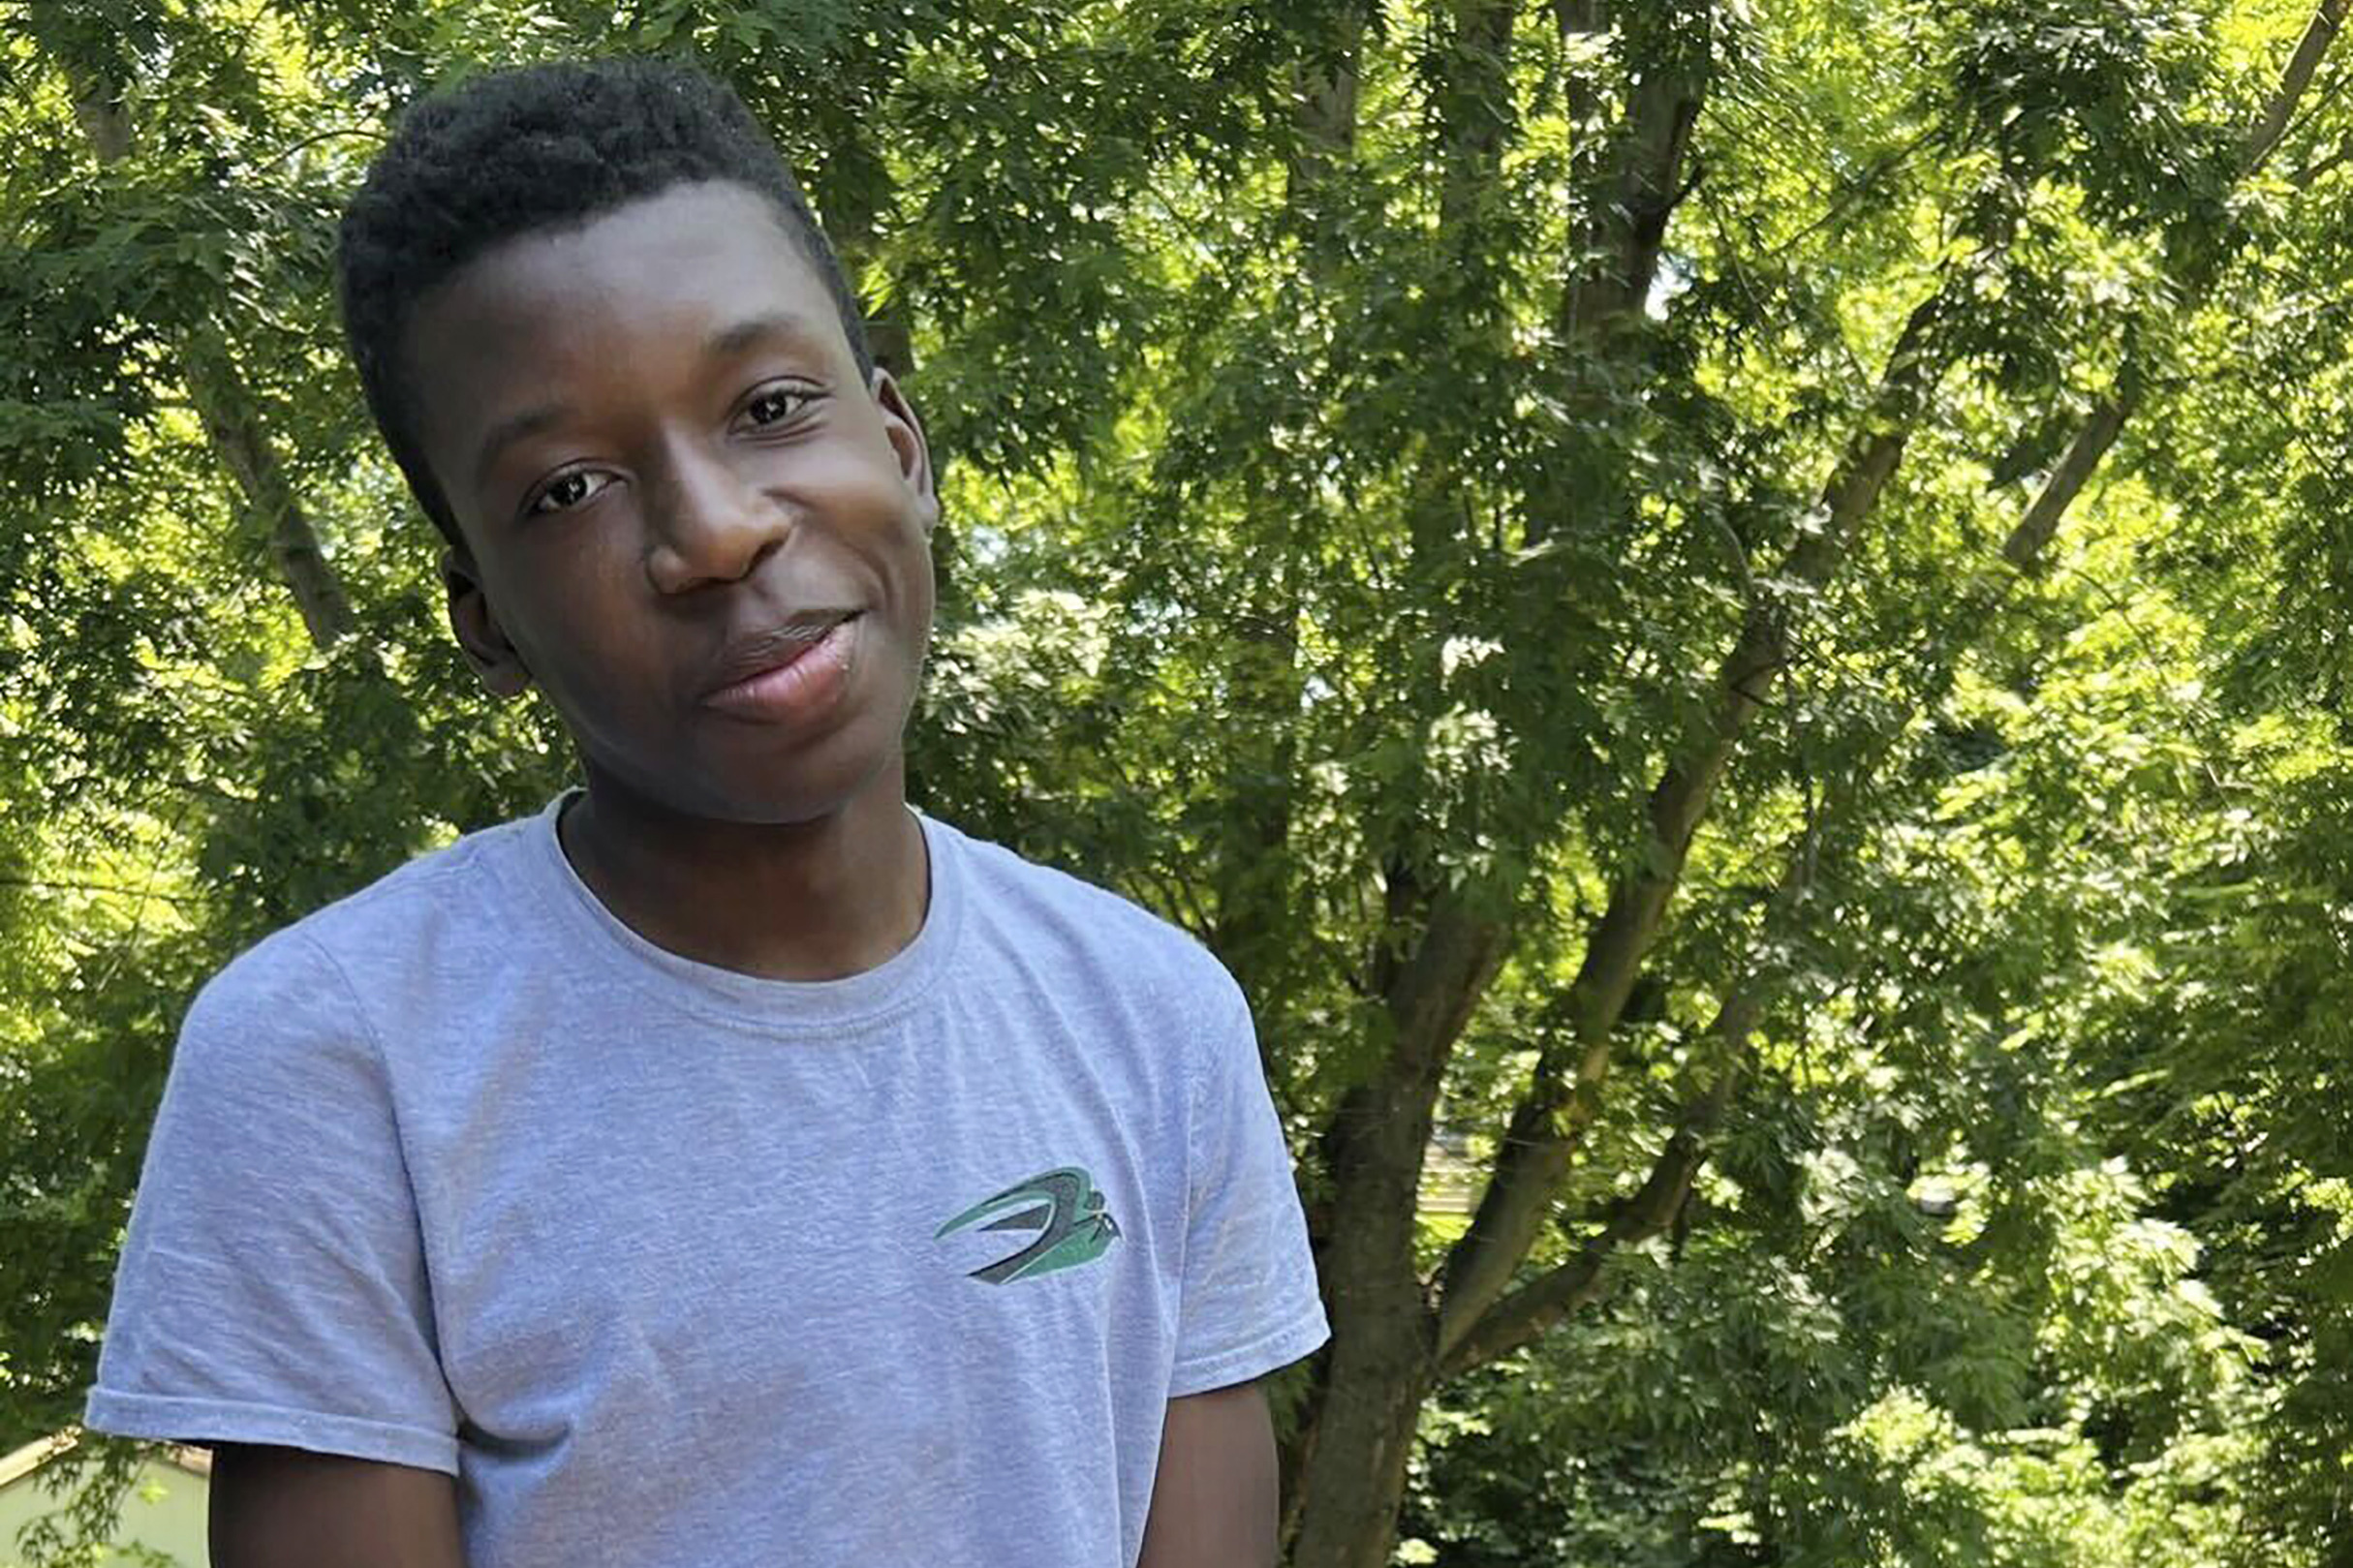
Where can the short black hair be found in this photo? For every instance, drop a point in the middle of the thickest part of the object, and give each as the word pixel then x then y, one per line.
pixel 545 146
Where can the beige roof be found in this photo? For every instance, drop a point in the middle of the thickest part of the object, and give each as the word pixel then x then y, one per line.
pixel 15 1467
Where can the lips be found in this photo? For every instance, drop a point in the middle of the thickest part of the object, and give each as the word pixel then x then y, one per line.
pixel 786 673
pixel 774 649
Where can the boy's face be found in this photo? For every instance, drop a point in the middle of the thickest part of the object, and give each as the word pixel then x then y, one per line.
pixel 687 519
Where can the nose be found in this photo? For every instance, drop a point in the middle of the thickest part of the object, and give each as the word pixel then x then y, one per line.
pixel 707 524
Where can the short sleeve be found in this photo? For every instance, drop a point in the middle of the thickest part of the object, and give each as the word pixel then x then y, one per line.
pixel 273 1287
pixel 1250 1301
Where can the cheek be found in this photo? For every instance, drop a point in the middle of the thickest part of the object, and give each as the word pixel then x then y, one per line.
pixel 576 632
pixel 922 596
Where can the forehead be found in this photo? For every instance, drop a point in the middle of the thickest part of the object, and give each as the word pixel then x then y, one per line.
pixel 670 269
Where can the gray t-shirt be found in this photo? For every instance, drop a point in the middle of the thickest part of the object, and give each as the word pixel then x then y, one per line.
pixel 677 1267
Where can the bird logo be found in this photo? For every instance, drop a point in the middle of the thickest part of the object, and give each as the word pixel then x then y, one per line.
pixel 1062 1206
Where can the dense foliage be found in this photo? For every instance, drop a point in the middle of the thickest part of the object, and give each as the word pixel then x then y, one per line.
pixel 1729 610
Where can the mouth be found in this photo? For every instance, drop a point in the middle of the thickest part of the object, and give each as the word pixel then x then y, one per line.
pixel 787 671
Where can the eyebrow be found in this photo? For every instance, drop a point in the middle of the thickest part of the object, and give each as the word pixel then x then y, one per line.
pixel 515 427
pixel 783 326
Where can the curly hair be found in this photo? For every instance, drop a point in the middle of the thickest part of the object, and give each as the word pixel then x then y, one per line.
pixel 545 146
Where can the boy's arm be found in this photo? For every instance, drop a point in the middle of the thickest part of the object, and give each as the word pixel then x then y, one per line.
pixel 287 1508
pixel 1214 1497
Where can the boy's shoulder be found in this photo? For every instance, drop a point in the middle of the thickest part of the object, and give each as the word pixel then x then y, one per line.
pixel 434 908
pixel 1052 912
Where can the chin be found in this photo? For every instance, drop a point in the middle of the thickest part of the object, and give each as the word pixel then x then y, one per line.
pixel 808 789
pixel 754 777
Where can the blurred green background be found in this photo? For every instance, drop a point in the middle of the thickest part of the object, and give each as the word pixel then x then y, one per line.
pixel 1733 614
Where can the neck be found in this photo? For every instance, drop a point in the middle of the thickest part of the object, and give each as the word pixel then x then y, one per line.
pixel 799 900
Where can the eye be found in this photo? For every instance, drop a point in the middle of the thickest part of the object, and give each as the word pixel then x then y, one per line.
pixel 566 491
pixel 778 404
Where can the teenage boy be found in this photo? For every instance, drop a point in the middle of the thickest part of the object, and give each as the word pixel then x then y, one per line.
pixel 726 1165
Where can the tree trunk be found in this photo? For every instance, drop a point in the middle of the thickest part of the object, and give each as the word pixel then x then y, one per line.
pixel 1382 1363
pixel 1351 1470
pixel 1352 1475
pixel 1355 1468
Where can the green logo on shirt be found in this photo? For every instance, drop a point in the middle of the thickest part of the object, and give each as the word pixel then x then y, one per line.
pixel 1062 1206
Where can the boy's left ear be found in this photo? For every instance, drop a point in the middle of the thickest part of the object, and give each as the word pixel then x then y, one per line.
pixel 905 433
pixel 496 661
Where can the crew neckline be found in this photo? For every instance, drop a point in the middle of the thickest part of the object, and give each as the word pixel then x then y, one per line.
pixel 774 1007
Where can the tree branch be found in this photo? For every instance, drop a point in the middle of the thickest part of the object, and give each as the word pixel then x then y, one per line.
pixel 239 440
pixel 2028 541
pixel 1648 1211
pixel 1628 180
pixel 1564 1089
pixel 1324 86
pixel 1473 103
pixel 231 420
pixel 1477 1321
pixel 858 188
pixel 1429 992
pixel 2327 18
pixel 1616 245
pixel 2031 537
pixel 2304 177
pixel 1249 869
